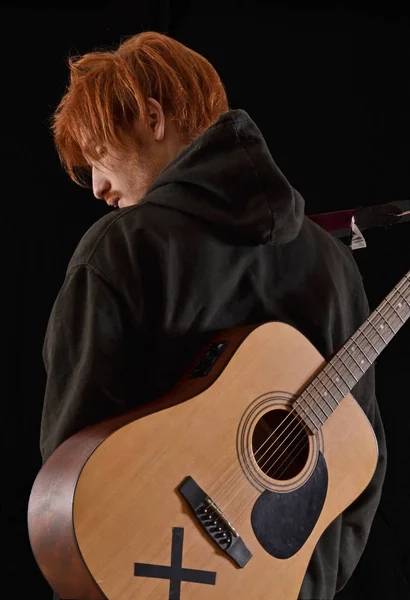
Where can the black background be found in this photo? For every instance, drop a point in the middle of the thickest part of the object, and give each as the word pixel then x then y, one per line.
pixel 327 84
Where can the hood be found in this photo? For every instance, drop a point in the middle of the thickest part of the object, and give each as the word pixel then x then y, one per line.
pixel 228 178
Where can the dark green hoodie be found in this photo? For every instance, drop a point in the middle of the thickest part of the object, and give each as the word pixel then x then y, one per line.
pixel 219 240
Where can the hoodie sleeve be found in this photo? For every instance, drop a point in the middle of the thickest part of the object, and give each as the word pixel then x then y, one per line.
pixel 342 544
pixel 357 519
pixel 84 353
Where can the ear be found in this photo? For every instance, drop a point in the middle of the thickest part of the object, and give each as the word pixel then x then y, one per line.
pixel 156 118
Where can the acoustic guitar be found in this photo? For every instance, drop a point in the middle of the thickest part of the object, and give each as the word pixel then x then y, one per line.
pixel 222 487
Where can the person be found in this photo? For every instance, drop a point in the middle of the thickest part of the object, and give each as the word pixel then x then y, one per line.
pixel 208 235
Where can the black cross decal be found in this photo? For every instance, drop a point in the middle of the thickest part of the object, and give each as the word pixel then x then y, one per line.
pixel 175 573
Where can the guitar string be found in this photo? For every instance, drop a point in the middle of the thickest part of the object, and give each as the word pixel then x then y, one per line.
pixel 377 315
pixel 397 290
pixel 343 352
pixel 389 308
pixel 293 458
pixel 240 516
pixel 278 475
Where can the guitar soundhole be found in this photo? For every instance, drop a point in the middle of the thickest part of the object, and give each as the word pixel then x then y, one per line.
pixel 280 445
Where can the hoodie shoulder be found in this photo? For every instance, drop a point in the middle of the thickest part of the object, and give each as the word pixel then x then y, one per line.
pixel 95 236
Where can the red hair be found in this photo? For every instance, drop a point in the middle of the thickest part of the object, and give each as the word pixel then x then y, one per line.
pixel 109 90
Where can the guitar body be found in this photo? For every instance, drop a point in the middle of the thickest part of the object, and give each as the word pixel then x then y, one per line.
pixel 107 518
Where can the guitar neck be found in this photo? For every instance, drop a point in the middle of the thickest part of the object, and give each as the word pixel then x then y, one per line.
pixel 341 373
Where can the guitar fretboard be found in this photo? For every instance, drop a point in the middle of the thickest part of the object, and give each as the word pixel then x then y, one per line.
pixel 339 376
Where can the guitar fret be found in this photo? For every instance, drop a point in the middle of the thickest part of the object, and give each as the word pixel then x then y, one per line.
pixel 298 405
pixel 394 319
pixel 323 395
pixel 368 351
pixel 385 321
pixel 327 389
pixel 320 399
pixel 311 407
pixel 339 378
pixel 332 382
pixel 394 308
pixel 350 353
pixel 404 298
pixel 346 372
pixel 379 334
pixel 375 349
pixel 338 355
pixel 363 354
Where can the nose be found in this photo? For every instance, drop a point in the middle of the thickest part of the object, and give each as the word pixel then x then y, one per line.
pixel 101 183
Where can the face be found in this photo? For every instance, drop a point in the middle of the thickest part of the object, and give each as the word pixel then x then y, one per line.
pixel 121 178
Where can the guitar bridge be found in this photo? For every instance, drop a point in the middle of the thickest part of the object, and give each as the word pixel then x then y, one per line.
pixel 214 522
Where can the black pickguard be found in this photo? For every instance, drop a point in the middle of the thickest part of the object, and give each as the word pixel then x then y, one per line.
pixel 283 522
